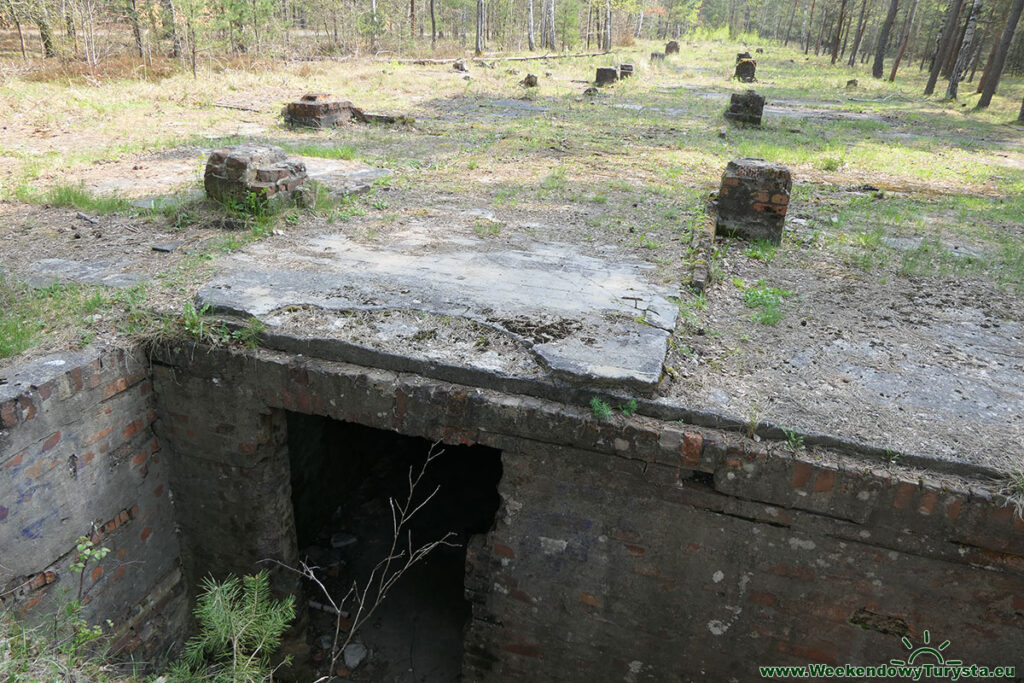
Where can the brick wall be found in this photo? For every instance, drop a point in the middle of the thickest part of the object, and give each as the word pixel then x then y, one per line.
pixel 78 457
pixel 634 549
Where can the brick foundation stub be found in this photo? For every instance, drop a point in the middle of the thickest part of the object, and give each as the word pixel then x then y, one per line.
pixel 235 174
pixel 746 70
pixel 625 70
pixel 753 199
pixel 672 47
pixel 318 110
pixel 745 108
pixel 606 75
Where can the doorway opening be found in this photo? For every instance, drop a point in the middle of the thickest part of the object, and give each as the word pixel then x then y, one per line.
pixel 344 477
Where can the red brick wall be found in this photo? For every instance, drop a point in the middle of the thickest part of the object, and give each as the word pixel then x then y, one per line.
pixel 78 457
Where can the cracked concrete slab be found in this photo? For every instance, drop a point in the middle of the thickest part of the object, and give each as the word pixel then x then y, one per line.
pixel 584 320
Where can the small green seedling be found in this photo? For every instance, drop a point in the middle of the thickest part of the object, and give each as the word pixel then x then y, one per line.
pixel 628 408
pixel 600 409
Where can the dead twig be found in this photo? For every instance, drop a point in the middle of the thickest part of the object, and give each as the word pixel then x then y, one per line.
pixel 387 571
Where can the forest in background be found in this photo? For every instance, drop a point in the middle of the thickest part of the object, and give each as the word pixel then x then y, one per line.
pixel 955 41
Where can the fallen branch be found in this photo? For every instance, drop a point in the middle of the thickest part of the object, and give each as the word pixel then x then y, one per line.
pixel 426 62
pixel 238 107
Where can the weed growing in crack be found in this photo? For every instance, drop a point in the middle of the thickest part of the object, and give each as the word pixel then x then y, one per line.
pixel 629 408
pixel 599 409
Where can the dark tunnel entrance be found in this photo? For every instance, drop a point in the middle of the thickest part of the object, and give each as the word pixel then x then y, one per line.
pixel 342 477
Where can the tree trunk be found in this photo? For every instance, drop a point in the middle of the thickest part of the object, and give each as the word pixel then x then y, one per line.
pixel 808 25
pixel 551 25
pixel 903 43
pixel 373 27
pixel 433 27
pixel 170 26
pixel 1020 116
pixel 607 25
pixel 878 68
pixel 861 25
pixel 954 46
pixel 1004 47
pixel 479 47
pixel 960 66
pixel 943 47
pixel 133 21
pixel 46 35
pixel 995 50
pixel 412 20
pixel 640 19
pixel 792 16
pixel 839 32
pixel 529 29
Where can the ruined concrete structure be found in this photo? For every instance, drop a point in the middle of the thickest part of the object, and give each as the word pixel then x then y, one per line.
pixel 672 47
pixel 746 70
pixel 606 75
pixel 745 108
pixel 729 554
pixel 625 70
pixel 753 200
pixel 252 173
pixel 657 56
pixel 318 110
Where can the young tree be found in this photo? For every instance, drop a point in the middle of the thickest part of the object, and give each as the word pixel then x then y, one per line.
pixel 992 82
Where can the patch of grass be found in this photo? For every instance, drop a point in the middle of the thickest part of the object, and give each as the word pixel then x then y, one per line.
pixel 78 197
pixel 320 151
pixel 1013 491
pixel 767 302
pixel 554 182
pixel 762 250
pixel 628 408
pixel 29 316
pixel 485 228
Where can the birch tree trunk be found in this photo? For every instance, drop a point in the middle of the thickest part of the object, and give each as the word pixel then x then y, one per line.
pixel 957 73
pixel 529 29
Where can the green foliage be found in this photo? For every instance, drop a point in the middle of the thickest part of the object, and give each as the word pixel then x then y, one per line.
pixel 250 335
pixel 75 196
pixel 66 648
pixel 794 441
pixel 28 316
pixel 762 250
pixel 85 552
pixel 629 408
pixel 600 409
pixel 767 302
pixel 240 627
pixel 312 149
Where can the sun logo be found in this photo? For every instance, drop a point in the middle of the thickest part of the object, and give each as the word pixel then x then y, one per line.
pixel 926 649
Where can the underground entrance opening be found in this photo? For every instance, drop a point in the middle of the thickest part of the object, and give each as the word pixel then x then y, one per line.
pixel 343 477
